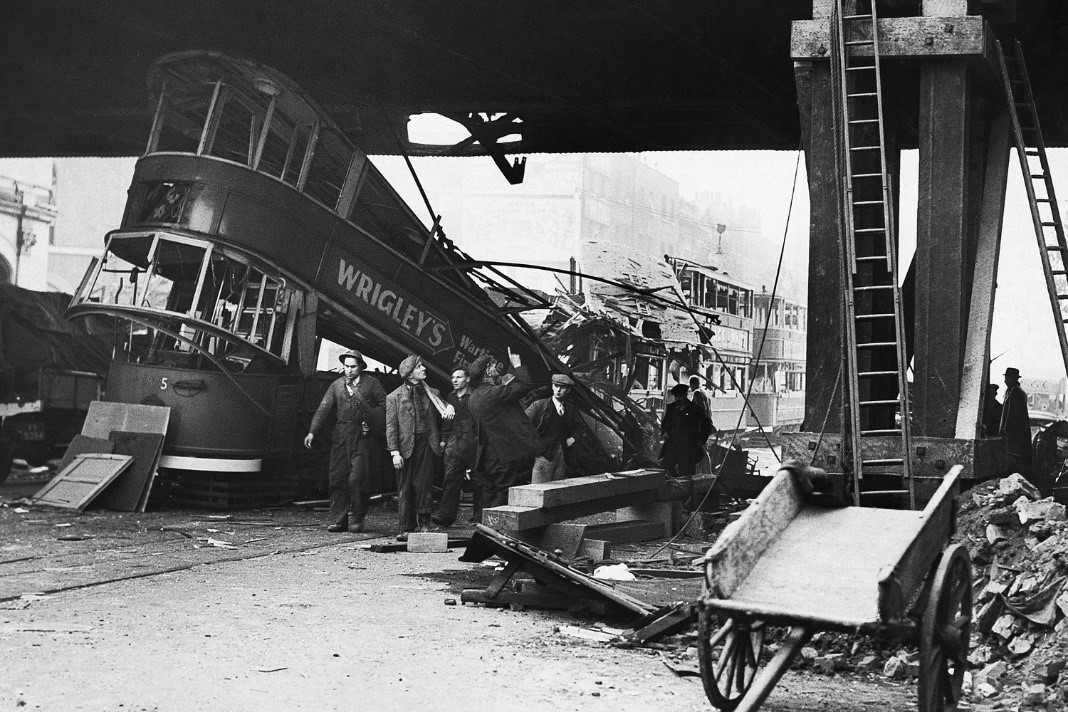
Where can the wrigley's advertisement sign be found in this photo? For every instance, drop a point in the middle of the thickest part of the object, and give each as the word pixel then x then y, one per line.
pixel 380 298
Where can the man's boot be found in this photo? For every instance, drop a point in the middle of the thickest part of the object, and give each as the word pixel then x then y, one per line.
pixel 340 526
pixel 425 525
pixel 356 523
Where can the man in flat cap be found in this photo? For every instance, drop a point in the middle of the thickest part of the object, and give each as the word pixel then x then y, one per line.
pixel 413 438
pixel 685 428
pixel 1015 426
pixel 355 403
pixel 558 426
pixel 506 438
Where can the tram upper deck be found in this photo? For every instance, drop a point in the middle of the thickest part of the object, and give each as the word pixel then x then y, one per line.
pixel 252 225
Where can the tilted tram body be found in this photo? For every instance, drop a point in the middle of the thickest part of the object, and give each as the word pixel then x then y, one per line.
pixel 252 228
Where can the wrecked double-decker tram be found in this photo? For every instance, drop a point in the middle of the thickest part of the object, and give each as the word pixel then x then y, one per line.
pixel 254 229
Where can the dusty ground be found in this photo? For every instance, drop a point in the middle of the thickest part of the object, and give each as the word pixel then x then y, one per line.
pixel 119 612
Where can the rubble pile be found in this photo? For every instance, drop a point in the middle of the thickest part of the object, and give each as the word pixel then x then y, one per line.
pixel 1019 547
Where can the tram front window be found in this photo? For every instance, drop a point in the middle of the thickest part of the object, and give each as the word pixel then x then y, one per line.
pixel 121 279
pixel 236 128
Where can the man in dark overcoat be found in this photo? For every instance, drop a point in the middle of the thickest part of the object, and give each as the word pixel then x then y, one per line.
pixel 506 437
pixel 1016 425
pixel 355 404
pixel 459 441
pixel 685 427
pixel 558 427
pixel 413 437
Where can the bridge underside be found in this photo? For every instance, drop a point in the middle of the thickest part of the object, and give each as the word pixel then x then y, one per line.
pixel 677 75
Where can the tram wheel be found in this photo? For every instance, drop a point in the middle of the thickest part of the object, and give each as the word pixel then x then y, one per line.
pixel 945 632
pixel 729 654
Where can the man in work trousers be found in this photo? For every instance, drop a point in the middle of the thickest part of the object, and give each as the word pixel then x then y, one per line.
pixel 557 425
pixel 506 438
pixel 1016 429
pixel 355 403
pixel 414 440
pixel 459 442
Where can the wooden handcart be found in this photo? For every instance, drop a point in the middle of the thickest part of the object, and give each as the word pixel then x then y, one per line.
pixel 792 563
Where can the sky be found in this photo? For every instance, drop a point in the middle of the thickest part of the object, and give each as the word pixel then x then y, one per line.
pixel 1023 333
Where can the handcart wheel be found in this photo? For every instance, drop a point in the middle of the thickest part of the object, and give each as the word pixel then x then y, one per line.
pixel 730 657
pixel 945 633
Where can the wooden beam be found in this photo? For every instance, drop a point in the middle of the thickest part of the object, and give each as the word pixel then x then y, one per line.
pixel 581 489
pixel 946 239
pixel 512 518
pixel 823 392
pixel 975 373
pixel 901 38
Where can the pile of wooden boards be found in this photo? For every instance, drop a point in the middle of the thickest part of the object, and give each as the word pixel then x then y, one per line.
pixel 539 513
pixel 113 462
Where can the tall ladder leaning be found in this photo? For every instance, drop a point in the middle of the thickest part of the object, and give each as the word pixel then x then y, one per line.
pixel 877 389
pixel 1046 215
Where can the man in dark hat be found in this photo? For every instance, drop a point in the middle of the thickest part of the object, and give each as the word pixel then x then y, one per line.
pixel 506 438
pixel 685 428
pixel 355 403
pixel 558 426
pixel 413 437
pixel 1015 425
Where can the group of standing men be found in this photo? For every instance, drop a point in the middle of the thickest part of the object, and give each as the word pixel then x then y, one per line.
pixel 479 428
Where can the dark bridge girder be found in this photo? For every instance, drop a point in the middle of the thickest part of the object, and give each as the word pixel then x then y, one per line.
pixel 601 76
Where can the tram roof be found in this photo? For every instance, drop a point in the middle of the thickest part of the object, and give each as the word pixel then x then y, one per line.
pixel 676 75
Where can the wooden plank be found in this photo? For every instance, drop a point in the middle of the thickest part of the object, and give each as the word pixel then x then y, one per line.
pixel 742 543
pixel 511 518
pixel 581 489
pixel 627 532
pixel 900 38
pixel 82 480
pixel 104 416
pixel 146 491
pixel 124 494
pixel 976 372
pixel 81 444
pixel 901 580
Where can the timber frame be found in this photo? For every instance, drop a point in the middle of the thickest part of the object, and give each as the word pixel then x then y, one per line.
pixel 961 127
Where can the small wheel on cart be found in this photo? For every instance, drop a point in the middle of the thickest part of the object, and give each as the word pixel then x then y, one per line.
pixel 945 633
pixel 729 653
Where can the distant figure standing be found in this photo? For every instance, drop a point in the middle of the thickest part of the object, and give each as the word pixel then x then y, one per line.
pixel 1016 425
pixel 557 424
pixel 991 412
pixel 685 428
pixel 354 402
pixel 700 398
pixel 507 441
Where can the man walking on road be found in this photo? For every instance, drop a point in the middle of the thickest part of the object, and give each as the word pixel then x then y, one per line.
pixel 355 402
pixel 506 438
pixel 459 442
pixel 413 439
pixel 557 425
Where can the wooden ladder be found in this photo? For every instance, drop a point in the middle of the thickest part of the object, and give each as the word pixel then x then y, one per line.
pixel 877 398
pixel 1045 214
